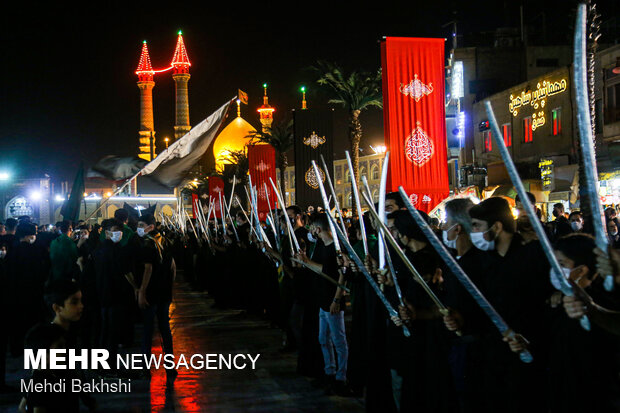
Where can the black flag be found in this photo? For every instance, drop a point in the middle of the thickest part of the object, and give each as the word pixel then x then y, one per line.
pixel 314 134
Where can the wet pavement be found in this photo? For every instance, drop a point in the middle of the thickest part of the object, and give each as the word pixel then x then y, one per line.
pixel 197 328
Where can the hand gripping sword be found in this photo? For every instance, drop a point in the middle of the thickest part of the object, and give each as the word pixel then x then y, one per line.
pixel 382 244
pixel 360 265
pixel 458 272
pixel 556 270
pixel 416 275
pixel 586 138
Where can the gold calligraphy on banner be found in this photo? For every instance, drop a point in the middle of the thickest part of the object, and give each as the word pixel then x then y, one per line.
pixel 537 98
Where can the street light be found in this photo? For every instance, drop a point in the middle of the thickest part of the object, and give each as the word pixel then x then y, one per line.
pixel 166 140
pixel 4 176
pixel 379 149
pixel 35 195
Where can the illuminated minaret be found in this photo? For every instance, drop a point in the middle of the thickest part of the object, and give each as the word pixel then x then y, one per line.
pixel 303 98
pixel 266 112
pixel 145 74
pixel 180 73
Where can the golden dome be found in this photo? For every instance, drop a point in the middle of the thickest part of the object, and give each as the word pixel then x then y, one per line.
pixel 232 138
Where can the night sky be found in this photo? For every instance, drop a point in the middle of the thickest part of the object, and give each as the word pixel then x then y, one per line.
pixel 69 94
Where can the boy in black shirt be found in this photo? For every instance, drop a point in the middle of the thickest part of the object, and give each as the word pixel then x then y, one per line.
pixel 48 336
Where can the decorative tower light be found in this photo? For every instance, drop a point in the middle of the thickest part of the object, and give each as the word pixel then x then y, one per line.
pixel 145 74
pixel 180 73
pixel 303 98
pixel 266 112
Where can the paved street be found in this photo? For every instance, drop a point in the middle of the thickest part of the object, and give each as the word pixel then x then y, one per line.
pixel 198 328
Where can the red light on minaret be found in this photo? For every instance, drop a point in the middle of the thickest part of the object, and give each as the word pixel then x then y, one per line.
pixel 145 70
pixel 180 60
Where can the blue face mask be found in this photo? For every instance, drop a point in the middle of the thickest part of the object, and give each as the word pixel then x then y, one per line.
pixel 116 236
pixel 140 232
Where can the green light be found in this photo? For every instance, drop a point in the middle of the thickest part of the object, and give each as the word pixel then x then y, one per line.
pixel 264 85
pixel 180 32
pixel 303 88
pixel 144 41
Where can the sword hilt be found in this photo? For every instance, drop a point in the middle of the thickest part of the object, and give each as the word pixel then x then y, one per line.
pixel 526 356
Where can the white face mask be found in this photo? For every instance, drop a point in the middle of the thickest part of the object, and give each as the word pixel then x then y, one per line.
pixel 450 243
pixel 311 237
pixel 2 254
pixel 576 225
pixel 555 281
pixel 116 236
pixel 32 240
pixel 140 232
pixel 477 238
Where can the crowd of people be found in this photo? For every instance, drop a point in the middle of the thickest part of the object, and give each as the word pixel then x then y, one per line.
pixel 434 369
pixel 329 313
pixel 76 286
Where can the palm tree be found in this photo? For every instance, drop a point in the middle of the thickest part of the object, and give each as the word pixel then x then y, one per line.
pixel 355 92
pixel 281 138
pixel 239 166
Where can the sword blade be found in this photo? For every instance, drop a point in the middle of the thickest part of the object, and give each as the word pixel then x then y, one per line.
pixel 529 208
pixel 460 275
pixel 360 265
pixel 333 191
pixel 585 136
pixel 358 205
pixel 326 205
pixel 408 264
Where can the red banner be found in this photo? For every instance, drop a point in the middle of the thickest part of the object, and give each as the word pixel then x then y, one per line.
pixel 262 161
pixel 414 118
pixel 194 202
pixel 216 187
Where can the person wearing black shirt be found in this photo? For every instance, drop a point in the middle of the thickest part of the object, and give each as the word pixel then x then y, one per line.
pixel 331 311
pixel 516 284
pixel 465 314
pixel 9 240
pixel 113 289
pixel 421 378
pixel 560 226
pixel 28 267
pixel 582 375
pixel 155 292
pixel 44 337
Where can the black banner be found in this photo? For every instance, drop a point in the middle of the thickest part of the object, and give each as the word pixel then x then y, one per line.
pixel 314 134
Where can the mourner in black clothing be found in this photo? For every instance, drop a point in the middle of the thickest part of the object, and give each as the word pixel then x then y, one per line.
pixel 574 352
pixel 515 283
pixel 155 291
pixel 113 287
pixel 28 267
